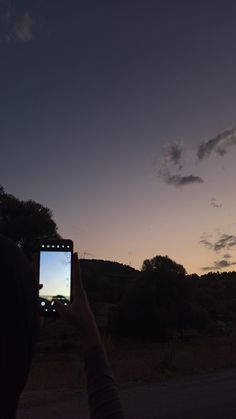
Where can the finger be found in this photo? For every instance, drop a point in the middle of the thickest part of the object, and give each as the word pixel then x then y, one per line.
pixel 79 282
pixel 77 286
pixel 35 261
pixel 65 313
pixel 61 309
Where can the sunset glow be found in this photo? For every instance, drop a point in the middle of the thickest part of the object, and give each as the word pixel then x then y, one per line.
pixel 121 119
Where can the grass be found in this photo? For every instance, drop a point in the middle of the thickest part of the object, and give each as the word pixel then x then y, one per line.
pixel 57 367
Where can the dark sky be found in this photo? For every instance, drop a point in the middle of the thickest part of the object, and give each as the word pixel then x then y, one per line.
pixel 91 92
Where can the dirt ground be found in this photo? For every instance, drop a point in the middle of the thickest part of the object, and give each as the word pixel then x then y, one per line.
pixel 57 367
pixel 205 396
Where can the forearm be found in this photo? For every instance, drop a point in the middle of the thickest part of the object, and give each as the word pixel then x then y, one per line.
pixel 103 397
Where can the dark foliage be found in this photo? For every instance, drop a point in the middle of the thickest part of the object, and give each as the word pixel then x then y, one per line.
pixel 25 222
pixel 106 281
pixel 163 265
pixel 154 308
pixel 216 293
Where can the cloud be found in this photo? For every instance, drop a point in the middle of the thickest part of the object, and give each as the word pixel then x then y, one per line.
pixel 170 159
pixel 21 30
pixel 219 144
pixel 226 242
pixel 174 154
pixel 215 204
pixel 179 180
pixel 15 27
pixel 220 264
pixel 223 263
pixel 206 243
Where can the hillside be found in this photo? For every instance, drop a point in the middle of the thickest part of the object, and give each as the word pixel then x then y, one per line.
pixel 106 281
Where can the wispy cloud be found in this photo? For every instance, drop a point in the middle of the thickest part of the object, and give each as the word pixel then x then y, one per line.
pixel 15 27
pixel 179 180
pixel 225 242
pixel 174 154
pixel 219 144
pixel 215 204
pixel 207 244
pixel 21 30
pixel 219 264
pixel 171 161
pixel 223 263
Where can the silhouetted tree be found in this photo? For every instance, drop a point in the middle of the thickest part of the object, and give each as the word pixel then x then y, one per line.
pixel 25 222
pixel 163 265
pixel 153 308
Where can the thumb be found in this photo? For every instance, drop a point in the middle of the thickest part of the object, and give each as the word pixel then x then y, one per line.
pixel 61 309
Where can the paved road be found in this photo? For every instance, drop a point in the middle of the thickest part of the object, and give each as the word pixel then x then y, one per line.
pixel 210 396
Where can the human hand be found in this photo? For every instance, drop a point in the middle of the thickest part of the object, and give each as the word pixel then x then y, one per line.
pixel 39 286
pixel 79 313
pixel 35 270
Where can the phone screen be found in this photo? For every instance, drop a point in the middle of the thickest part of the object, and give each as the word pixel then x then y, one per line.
pixel 54 275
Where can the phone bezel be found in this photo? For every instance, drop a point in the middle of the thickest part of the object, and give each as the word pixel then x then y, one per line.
pixel 43 247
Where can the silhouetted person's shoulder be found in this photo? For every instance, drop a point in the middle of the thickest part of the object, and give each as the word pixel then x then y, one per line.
pixel 18 323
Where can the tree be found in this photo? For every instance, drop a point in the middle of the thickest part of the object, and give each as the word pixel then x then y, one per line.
pixel 158 303
pixel 163 265
pixel 25 222
pixel 153 308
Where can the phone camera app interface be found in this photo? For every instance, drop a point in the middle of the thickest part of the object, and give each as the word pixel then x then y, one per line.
pixel 55 276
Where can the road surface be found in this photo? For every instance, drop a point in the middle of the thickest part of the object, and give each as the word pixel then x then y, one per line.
pixel 208 396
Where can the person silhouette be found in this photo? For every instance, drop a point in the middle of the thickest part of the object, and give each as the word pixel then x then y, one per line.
pixel 19 324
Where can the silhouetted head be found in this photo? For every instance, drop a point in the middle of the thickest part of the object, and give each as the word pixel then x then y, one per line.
pixel 18 324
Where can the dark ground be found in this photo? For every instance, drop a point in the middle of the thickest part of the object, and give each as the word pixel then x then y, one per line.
pixel 208 396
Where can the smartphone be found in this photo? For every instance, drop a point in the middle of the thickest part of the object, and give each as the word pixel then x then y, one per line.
pixel 55 272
